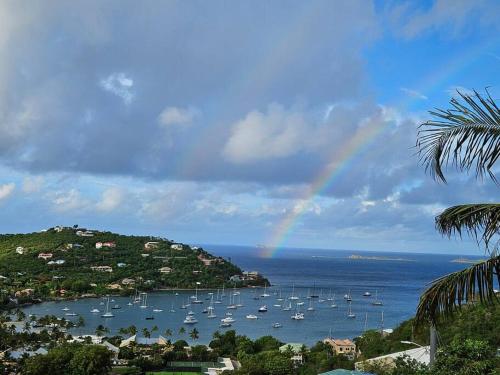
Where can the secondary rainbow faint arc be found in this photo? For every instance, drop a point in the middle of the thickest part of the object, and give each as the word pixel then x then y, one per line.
pixel 363 137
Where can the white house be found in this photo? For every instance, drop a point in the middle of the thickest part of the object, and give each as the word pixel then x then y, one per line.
pixel 165 270
pixel 84 233
pixel 420 354
pixel 20 250
pixel 45 256
pixel 176 246
pixel 151 245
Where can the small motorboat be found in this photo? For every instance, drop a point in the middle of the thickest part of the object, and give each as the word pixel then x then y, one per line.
pixel 95 311
pixel 157 310
pixel 277 325
pixel 367 294
pixel 225 325
pixel 263 308
pixel 150 317
pixel 116 307
pixel 298 316
pixel 65 308
pixel 252 317
pixel 190 319
pixel 71 314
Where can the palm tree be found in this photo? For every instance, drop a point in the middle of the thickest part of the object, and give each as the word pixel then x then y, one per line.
pixel 182 331
pixel 146 333
pixel 467 136
pixel 194 334
pixel 168 332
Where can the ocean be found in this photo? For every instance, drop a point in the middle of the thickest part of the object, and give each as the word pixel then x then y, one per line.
pixel 396 278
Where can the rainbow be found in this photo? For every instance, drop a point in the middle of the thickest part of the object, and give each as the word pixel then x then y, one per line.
pixel 340 161
pixel 359 142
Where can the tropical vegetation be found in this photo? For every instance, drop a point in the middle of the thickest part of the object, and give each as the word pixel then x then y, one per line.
pixel 466 137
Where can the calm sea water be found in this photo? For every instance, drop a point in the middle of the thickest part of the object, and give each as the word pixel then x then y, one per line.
pixel 324 272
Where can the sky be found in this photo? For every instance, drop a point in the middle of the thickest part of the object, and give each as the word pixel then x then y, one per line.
pixel 284 123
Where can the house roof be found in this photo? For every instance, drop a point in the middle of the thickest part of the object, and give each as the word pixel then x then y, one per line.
pixel 296 347
pixel 420 354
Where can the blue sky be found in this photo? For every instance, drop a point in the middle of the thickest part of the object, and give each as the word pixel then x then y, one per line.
pixel 210 122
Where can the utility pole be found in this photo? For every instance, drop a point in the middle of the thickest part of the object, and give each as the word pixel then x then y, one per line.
pixel 433 343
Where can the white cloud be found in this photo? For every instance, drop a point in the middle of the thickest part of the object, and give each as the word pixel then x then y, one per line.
pixel 6 190
pixel 32 184
pixel 414 93
pixel 65 201
pixel 260 136
pixel 177 116
pixel 120 85
pixel 111 198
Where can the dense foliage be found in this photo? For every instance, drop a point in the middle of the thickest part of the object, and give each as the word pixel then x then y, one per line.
pixel 128 259
pixel 70 359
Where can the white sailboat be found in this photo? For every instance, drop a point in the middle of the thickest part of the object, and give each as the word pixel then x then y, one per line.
pixel 144 300
pixel 108 313
pixel 311 306
pixel 211 309
pixel 265 294
pixel 293 296
pixel 350 314
pixel 377 302
pixel 333 305
pixel 288 308
pixel 196 300
pixel 190 319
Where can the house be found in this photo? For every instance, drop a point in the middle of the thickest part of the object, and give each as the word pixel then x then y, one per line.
pixel 101 268
pixel 342 346
pixel 84 233
pixel 206 262
pixel 227 364
pixel 18 354
pixel 160 340
pixel 114 286
pixel 121 265
pixel 3 278
pixel 128 281
pixel 165 270
pixel 99 245
pixel 20 250
pixel 151 245
pixel 235 278
pixel 144 255
pixel 176 246
pixel 420 354
pixel 60 262
pixel 45 256
pixel 296 349
pixel 58 229
pixel 251 275
pixel 25 292
pixel 345 372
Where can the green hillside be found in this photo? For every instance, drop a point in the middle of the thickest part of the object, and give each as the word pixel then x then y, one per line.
pixel 128 265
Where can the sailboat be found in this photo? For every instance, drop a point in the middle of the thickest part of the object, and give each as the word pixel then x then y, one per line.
pixel 293 296
pixel 311 307
pixel 172 310
pixel 239 304
pixel 144 300
pixel 279 298
pixel 211 309
pixel 196 300
pixel 333 305
pixel 321 299
pixel 348 297
pixel 223 294
pixel 377 302
pixel 108 313
pixel 288 308
pixel 137 297
pixel 231 304
pixel 265 294
pixel 350 314
pixel 217 300
pixel 314 295
pixel 298 315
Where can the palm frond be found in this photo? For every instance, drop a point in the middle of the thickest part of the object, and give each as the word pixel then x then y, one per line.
pixel 467 136
pixel 482 221
pixel 450 292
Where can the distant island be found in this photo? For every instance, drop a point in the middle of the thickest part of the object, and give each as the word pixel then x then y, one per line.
pixel 73 262
pixel 466 261
pixel 362 257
